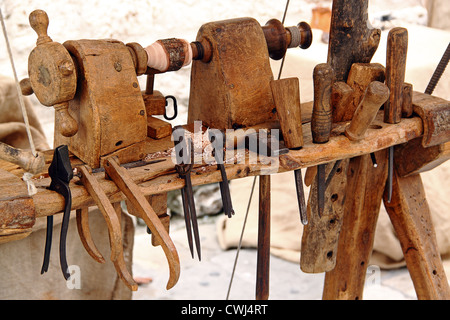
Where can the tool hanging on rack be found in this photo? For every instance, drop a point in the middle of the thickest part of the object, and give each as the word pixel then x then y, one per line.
pixel 184 154
pixel 60 171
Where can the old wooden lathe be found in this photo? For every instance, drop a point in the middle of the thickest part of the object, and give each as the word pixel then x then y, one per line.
pixel 119 151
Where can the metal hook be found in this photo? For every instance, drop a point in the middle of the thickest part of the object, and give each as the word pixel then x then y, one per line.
pixel 175 108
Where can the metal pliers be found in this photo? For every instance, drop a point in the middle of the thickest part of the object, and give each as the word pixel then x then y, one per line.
pixel 60 171
pixel 184 164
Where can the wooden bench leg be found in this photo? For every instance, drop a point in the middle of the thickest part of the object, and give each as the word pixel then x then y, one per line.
pixel 410 215
pixel 362 204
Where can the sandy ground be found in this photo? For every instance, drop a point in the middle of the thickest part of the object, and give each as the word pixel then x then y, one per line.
pixel 147 21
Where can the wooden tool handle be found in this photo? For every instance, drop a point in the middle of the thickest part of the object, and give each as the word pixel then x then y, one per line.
pixel 376 94
pixel 23 158
pixel 323 77
pixel 286 95
pixel 397 47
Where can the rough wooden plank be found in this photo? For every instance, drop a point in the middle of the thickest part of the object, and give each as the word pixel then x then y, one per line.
pixel 320 236
pixel 161 177
pixel 362 205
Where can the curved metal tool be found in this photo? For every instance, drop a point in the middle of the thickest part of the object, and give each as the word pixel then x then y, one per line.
pixel 112 219
pixel 82 218
pixel 124 182
pixel 60 171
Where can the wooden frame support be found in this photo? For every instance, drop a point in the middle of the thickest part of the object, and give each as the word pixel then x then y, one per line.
pixel 346 280
pixel 410 215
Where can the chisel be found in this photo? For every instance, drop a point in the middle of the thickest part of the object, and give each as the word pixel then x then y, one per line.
pixel 286 95
pixel 396 50
pixel 321 121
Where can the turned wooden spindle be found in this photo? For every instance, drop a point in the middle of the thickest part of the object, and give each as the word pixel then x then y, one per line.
pixel 280 38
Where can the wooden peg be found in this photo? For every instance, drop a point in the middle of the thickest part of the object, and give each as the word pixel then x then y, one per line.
pixel 397 47
pixel 323 78
pixel 341 96
pixel 286 95
pixel 376 94
pixel 407 106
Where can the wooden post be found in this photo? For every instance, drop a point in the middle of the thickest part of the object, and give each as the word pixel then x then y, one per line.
pixel 263 260
pixel 411 218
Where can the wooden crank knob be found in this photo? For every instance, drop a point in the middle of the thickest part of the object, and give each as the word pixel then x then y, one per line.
pixel 376 94
pixel 39 22
pixel 25 87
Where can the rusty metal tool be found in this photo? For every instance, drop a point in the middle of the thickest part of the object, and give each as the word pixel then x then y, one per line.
pixel 183 166
pixel 439 71
pixel 60 171
pixel 131 190
pixel 224 186
pixel 112 219
pixel 321 121
pixel 396 50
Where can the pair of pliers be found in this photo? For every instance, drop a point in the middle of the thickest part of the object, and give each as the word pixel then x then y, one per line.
pixel 60 171
pixel 184 164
